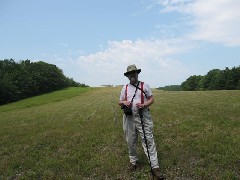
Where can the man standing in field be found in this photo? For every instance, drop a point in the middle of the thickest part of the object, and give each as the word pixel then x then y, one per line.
pixel 135 99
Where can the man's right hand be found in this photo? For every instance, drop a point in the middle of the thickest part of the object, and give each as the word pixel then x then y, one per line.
pixel 127 103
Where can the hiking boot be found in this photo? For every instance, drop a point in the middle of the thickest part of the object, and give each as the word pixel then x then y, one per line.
pixel 132 167
pixel 157 174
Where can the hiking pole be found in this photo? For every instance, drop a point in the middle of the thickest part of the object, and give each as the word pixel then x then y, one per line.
pixel 140 110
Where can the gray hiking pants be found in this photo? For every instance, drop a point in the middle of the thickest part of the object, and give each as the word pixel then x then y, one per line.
pixel 132 126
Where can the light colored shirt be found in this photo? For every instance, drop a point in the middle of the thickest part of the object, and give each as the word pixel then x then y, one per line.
pixel 137 99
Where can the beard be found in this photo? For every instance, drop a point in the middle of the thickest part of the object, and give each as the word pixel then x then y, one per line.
pixel 133 80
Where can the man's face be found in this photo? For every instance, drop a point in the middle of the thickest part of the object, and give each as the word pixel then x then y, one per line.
pixel 133 77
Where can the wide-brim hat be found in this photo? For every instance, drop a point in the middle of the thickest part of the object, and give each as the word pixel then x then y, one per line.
pixel 132 68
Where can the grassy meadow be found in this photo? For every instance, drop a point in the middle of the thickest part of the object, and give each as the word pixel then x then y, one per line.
pixel 77 134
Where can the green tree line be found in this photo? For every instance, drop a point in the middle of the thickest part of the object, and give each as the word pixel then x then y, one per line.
pixel 19 80
pixel 171 88
pixel 216 79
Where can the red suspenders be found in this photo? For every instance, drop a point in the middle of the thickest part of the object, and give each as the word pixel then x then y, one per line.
pixel 126 92
pixel 142 97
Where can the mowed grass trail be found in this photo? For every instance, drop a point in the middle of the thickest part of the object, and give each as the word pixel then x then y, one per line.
pixel 81 137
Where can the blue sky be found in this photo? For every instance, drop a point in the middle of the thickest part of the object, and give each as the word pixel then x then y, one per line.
pixel 94 41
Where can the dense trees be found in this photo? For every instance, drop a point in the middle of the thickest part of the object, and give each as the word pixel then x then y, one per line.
pixel 171 88
pixel 24 79
pixel 191 83
pixel 228 79
pixel 216 79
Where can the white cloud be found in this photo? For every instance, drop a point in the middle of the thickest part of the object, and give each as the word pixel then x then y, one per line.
pixel 210 20
pixel 152 56
pixel 172 5
pixel 217 21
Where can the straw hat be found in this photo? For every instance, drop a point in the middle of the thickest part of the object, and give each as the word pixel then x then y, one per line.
pixel 132 68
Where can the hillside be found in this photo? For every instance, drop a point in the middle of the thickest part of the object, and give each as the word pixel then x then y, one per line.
pixel 80 137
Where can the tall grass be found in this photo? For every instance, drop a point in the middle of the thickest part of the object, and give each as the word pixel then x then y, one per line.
pixel 80 137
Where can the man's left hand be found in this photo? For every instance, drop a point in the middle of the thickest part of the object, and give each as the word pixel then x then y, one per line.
pixel 140 106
